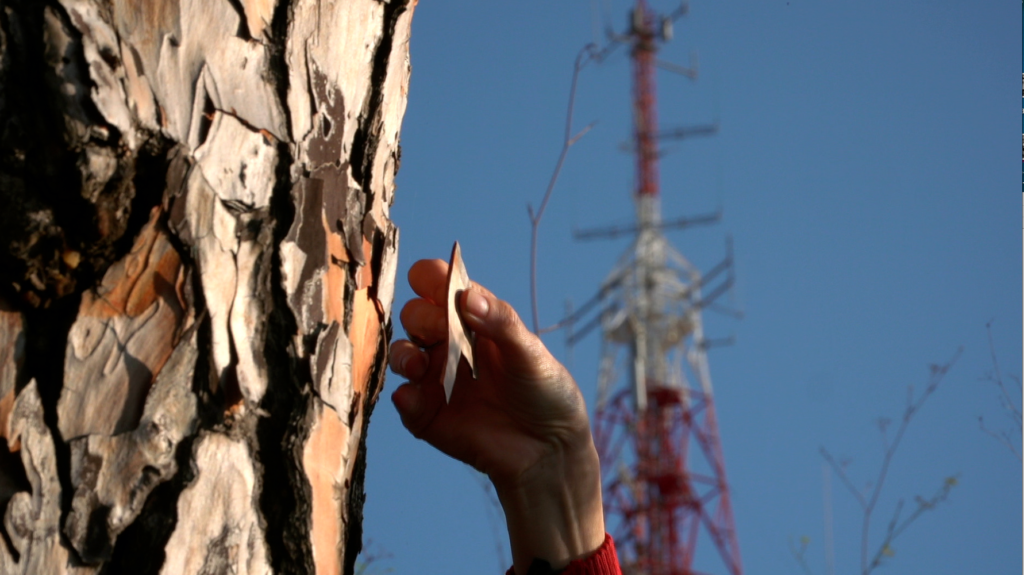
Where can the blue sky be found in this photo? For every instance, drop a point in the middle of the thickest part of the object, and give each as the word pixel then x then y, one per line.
pixel 866 169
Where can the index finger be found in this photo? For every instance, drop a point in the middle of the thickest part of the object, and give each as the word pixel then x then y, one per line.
pixel 429 279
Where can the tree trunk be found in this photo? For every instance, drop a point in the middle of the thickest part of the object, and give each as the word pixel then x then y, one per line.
pixel 197 268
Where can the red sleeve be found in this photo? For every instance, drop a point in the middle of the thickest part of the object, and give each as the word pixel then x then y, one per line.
pixel 604 561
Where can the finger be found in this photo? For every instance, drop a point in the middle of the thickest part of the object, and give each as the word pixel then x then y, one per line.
pixel 425 322
pixel 429 279
pixel 408 360
pixel 418 405
pixel 427 415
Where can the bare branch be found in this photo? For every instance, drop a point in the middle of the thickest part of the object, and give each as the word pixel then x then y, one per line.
pixel 844 477
pixel 589 53
pixel 997 374
pixel 885 549
pixel 1002 437
pixel 938 372
pixel 896 527
pixel 868 504
pixel 370 556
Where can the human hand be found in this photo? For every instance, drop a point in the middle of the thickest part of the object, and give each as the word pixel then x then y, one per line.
pixel 523 422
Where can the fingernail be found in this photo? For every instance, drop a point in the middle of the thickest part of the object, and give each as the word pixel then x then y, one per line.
pixel 476 306
pixel 402 362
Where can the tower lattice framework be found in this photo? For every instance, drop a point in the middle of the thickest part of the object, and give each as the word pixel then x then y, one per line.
pixel 666 494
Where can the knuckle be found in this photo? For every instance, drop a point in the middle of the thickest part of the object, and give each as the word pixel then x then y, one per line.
pixel 406 314
pixel 507 316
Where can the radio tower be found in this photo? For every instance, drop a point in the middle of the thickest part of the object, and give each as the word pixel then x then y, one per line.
pixel 666 495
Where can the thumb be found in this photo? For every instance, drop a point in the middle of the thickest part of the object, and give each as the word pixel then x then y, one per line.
pixel 496 320
pixel 493 318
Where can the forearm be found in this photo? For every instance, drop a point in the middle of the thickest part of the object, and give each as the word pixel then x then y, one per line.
pixel 555 512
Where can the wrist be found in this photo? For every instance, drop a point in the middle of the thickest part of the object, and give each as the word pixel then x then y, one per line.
pixel 554 510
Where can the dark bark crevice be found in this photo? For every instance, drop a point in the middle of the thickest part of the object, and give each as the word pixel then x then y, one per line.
pixel 33 160
pixel 150 183
pixel 284 492
pixel 367 136
pixel 59 228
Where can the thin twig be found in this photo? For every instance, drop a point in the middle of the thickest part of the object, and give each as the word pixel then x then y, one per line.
pixel 896 528
pixel 589 53
pixel 844 477
pixel 936 376
pixel 922 505
pixel 369 556
pixel 1007 401
pixel 869 502
pixel 799 554
pixel 1002 437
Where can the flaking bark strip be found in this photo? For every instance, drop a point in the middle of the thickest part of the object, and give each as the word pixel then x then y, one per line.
pixel 223 494
pixel 363 154
pixel 367 137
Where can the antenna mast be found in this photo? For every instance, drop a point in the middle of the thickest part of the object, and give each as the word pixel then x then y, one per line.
pixel 656 431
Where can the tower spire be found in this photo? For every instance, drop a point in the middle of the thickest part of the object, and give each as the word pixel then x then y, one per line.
pixel 645 109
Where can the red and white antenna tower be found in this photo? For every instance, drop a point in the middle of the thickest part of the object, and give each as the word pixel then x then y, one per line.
pixel 666 495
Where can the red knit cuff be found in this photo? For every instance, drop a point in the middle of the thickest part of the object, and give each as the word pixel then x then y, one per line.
pixel 604 561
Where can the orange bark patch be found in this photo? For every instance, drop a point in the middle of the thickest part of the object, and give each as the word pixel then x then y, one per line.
pixel 150 272
pixel 334 280
pixel 364 333
pixel 364 276
pixel 367 318
pixel 324 459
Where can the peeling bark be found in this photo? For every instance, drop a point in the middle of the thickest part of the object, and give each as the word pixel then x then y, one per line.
pixel 229 537
pixel 194 211
pixel 32 519
pixel 113 475
pixel 125 331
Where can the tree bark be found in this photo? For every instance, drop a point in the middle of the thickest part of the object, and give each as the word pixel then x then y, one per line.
pixel 197 267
